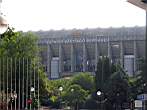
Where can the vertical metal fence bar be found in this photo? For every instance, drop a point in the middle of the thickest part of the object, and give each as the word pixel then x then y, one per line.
pixel 7 84
pixel 8 70
pixel 23 83
pixel 15 83
pixel 11 83
pixel 3 82
pixel 1 79
pixel 37 76
pixel 0 82
pixel 30 78
pixel 34 83
pixel 27 84
pixel 38 82
pixel 19 86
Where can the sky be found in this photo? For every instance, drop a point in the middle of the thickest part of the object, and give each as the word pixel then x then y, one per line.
pixel 35 15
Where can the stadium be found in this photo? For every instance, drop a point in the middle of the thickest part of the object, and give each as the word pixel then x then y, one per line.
pixel 65 52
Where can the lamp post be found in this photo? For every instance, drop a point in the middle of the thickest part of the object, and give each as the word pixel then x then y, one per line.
pixel 32 89
pixel 75 101
pixel 118 103
pixel 60 89
pixel 99 93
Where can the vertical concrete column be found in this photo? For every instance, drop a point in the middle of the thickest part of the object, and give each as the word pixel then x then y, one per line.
pixel 109 50
pixel 121 54
pixel 135 54
pixel 96 55
pixel 84 57
pixel 49 58
pixel 60 59
pixel 72 58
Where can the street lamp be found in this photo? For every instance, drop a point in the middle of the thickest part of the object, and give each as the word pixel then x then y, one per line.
pixel 102 100
pixel 99 93
pixel 32 89
pixel 72 90
pixel 60 89
pixel 3 21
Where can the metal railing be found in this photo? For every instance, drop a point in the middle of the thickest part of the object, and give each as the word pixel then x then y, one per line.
pixel 19 84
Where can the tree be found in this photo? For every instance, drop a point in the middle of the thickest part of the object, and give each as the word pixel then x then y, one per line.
pixel 74 95
pixel 104 70
pixel 19 50
pixel 53 94
pixel 117 88
pixel 135 86
pixel 138 83
pixel 85 80
pixel 143 74
pixel 18 44
pixel 112 81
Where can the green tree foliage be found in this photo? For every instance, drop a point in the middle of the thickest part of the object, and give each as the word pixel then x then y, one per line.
pixel 84 86
pixel 53 94
pixel 85 80
pixel 118 84
pixel 143 74
pixel 112 81
pixel 104 70
pixel 53 86
pixel 18 44
pixel 142 70
pixel 74 95
pixel 135 86
pixel 138 83
pixel 19 50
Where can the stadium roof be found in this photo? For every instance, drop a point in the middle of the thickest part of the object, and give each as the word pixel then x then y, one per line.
pixel 139 3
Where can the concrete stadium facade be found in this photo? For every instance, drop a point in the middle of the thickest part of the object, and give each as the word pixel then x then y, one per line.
pixel 67 51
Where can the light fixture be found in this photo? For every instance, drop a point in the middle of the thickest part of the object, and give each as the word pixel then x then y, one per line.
pixel 32 89
pixel 61 88
pixel 3 21
pixel 72 90
pixel 99 93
